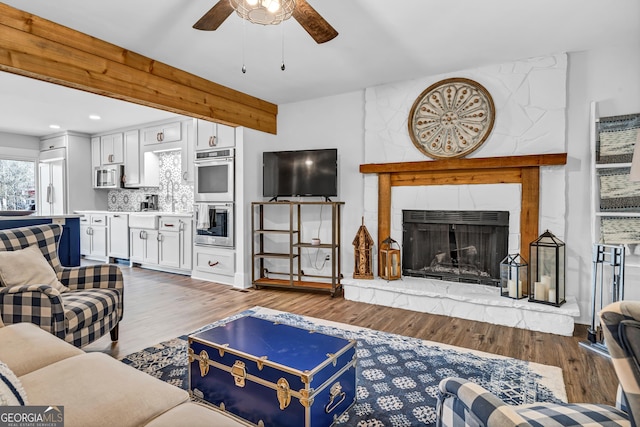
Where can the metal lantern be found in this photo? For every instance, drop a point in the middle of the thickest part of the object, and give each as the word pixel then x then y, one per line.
pixel 513 277
pixel 390 264
pixel 547 270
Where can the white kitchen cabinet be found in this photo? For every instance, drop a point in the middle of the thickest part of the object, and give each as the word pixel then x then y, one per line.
pixel 93 236
pixel 85 236
pixel 59 141
pixel 186 243
pixel 136 244
pixel 168 132
pixel 112 149
pixel 188 152
pixel 151 247
pixel 212 263
pixel 214 135
pixel 118 235
pixel 132 164
pixel 143 246
pixel 175 242
pixel 166 248
pixel 169 242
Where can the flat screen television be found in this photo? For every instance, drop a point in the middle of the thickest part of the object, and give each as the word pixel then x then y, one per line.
pixel 306 173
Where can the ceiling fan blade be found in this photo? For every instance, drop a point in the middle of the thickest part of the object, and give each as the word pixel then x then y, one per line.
pixel 211 20
pixel 313 23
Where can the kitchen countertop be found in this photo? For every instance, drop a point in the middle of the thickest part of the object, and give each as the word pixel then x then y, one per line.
pixel 159 213
pixel 19 217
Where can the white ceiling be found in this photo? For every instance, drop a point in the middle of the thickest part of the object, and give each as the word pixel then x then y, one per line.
pixel 379 42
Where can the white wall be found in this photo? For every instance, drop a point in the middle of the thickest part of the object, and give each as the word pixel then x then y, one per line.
pixel 332 122
pixel 609 76
pixel 12 143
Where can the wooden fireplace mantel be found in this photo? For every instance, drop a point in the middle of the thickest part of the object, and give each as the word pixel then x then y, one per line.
pixel 524 170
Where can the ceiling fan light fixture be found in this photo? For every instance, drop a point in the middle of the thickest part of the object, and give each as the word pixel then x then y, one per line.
pixel 264 12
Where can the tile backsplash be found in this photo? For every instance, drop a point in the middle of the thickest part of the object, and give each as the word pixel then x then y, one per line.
pixel 170 171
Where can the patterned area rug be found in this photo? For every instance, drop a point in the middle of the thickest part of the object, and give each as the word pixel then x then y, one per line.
pixel 397 376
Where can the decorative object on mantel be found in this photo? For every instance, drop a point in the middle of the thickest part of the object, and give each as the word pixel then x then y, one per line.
pixel 363 251
pixel 603 293
pixel 514 277
pixel 390 261
pixel 547 269
pixel 451 118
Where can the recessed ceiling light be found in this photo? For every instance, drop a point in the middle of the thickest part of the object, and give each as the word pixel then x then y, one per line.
pixel 54 126
pixel 95 117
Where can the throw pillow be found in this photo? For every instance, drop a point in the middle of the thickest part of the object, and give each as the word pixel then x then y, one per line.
pixel 27 267
pixel 11 391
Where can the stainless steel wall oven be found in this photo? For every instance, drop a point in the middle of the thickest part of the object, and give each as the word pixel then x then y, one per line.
pixel 214 177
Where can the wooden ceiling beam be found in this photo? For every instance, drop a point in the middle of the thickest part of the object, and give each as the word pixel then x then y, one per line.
pixel 34 47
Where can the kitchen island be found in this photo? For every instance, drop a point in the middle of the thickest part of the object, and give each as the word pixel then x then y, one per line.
pixel 69 247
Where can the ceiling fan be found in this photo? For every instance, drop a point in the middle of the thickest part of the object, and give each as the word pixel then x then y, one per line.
pixel 311 21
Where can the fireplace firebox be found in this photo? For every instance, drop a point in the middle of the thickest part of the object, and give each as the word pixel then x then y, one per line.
pixel 456 246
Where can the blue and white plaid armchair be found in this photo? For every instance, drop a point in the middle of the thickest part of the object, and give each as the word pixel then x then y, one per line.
pixel 463 403
pixel 92 307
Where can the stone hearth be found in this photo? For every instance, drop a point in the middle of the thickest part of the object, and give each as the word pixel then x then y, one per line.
pixel 467 301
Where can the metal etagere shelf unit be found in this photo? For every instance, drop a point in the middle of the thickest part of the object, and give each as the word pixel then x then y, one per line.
pixel 264 246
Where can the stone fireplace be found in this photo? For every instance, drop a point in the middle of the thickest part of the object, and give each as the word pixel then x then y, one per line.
pixel 457 246
pixel 474 301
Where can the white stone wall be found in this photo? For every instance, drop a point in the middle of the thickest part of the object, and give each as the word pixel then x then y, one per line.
pixel 530 100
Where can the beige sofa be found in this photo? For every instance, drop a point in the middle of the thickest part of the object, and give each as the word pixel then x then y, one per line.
pixel 94 388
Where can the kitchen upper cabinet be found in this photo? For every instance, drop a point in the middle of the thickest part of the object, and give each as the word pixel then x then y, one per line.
pixel 112 149
pixel 53 143
pixel 132 164
pixel 214 135
pixel 168 132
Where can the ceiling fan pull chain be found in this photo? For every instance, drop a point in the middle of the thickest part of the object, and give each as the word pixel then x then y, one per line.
pixel 282 67
pixel 244 37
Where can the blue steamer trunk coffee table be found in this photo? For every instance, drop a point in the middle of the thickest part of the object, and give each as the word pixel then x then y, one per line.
pixel 273 375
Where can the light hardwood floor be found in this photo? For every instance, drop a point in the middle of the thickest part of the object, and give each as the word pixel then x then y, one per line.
pixel 160 306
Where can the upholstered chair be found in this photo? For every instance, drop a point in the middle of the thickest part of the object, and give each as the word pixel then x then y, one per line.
pixel 464 403
pixel 621 327
pixel 77 304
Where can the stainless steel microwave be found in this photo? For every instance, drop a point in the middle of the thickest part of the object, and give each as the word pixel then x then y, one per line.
pixel 108 176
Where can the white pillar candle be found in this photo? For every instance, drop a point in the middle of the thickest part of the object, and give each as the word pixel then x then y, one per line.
pixel 552 295
pixel 512 288
pixel 540 291
pixel 515 291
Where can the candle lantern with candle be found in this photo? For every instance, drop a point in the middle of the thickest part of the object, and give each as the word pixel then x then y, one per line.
pixel 513 277
pixel 390 266
pixel 547 270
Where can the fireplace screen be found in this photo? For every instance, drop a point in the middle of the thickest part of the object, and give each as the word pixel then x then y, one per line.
pixel 458 246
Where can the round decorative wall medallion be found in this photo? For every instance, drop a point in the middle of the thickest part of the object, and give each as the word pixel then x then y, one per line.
pixel 451 118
